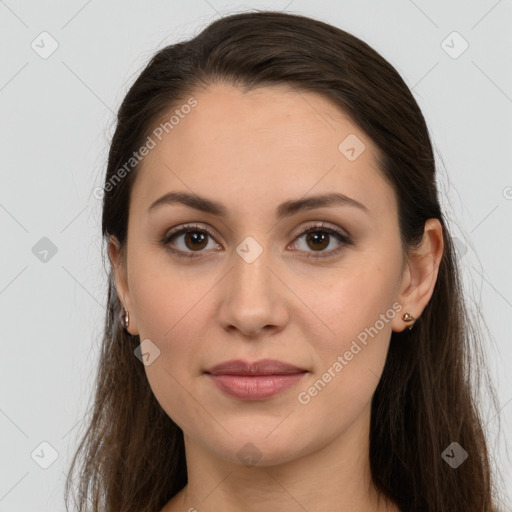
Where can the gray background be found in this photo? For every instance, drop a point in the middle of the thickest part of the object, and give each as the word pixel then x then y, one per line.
pixel 56 120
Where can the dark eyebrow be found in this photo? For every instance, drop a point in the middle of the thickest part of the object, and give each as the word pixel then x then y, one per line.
pixel 285 209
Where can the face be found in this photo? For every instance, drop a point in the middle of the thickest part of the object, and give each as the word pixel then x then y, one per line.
pixel 313 286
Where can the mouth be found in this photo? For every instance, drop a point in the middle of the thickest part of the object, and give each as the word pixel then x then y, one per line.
pixel 258 380
pixel 255 368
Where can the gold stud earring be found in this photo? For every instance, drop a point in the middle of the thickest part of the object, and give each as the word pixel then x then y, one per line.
pixel 407 317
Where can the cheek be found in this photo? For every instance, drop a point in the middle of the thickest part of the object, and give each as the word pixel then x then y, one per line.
pixel 172 312
pixel 354 300
pixel 167 320
pixel 164 294
pixel 352 348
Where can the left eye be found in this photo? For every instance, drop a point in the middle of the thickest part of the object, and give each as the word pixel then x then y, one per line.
pixel 320 238
pixel 195 239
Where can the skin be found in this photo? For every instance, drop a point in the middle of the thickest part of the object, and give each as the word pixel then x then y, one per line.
pixel 252 151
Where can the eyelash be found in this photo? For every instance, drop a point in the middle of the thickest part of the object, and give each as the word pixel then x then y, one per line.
pixel 315 228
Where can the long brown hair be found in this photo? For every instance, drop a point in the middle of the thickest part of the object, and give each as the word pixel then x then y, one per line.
pixel 131 456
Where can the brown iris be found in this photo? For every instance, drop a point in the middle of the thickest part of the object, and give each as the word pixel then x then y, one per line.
pixel 196 237
pixel 315 237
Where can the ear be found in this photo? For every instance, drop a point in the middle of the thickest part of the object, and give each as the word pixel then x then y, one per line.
pixel 420 274
pixel 118 261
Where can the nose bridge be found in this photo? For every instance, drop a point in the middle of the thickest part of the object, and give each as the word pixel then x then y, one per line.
pixel 251 275
pixel 252 301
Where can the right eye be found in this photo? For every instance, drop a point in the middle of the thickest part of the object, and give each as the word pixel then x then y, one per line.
pixel 194 240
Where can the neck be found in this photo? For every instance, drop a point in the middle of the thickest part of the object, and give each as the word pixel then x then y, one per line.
pixel 333 476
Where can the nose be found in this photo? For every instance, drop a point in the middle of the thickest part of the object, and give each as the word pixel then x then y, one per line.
pixel 254 297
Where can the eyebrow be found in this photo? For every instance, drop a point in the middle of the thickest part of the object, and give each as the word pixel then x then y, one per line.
pixel 286 209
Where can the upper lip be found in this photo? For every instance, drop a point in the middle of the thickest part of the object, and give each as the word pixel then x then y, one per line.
pixel 261 367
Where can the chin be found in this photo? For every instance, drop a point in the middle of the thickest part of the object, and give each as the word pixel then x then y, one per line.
pixel 258 448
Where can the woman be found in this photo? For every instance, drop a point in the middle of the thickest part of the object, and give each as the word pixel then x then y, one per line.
pixel 286 329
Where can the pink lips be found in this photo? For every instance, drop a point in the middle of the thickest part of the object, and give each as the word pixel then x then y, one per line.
pixel 254 381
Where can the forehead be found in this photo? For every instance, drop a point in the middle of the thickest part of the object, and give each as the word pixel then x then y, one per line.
pixel 269 144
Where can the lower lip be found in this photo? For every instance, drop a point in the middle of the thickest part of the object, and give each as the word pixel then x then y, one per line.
pixel 257 387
